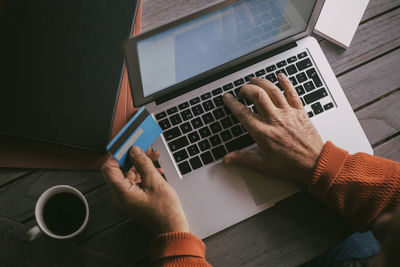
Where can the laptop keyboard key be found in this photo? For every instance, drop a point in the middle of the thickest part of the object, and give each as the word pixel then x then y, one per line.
pixel 180 155
pixel 195 163
pixel 193 137
pixel 175 119
pixel 172 110
pixel 185 127
pixel 178 143
pixel 310 114
pixel 186 114
pixel 161 115
pixel 228 86
pixel 218 113
pixel 172 134
pixel 196 123
pixel 184 168
pixel 239 143
pixel 304 64
pixel 194 101
pixel 300 90
pixel 328 106
pixel 271 68
pixel 238 82
pixel 316 95
pixel 301 77
pixel 205 132
pixel 226 135
pixel 218 101
pixel 205 96
pixel 312 74
pixel 217 91
pixel 208 105
pixel 271 77
pixel 164 124
pixel 215 127
pixel 219 152
pixel 236 131
pixel 317 108
pixel 248 77
pixel 281 64
pixel 183 105
pixel 206 158
pixel 207 118
pixel 292 59
pixel 302 55
pixel 281 71
pixel 226 122
pixel 197 110
pixel 260 73
pixel 293 81
pixel 215 140
pixel 309 86
pixel 291 69
pixel 204 145
pixel 193 150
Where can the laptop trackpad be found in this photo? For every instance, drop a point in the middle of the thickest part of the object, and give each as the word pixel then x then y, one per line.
pixel 265 188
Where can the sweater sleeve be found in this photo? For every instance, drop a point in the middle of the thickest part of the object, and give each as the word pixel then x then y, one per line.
pixel 360 187
pixel 178 249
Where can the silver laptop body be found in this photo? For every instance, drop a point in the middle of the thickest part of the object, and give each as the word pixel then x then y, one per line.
pixel 180 68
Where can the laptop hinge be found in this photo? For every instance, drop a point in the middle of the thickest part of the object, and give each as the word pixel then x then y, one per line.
pixel 219 75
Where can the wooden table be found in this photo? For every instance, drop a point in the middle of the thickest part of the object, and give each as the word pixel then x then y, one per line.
pixel 289 234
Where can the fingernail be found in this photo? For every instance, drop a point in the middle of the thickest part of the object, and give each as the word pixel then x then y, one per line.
pixel 227 160
pixel 282 76
pixel 227 95
pixel 136 151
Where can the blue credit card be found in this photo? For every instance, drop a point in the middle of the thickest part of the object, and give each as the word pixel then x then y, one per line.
pixel 142 130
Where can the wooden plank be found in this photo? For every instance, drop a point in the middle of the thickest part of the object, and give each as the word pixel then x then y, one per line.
pixel 126 241
pixel 43 251
pixel 372 80
pixel 289 234
pixel 372 39
pixel 8 175
pixel 390 149
pixel 376 7
pixel 159 12
pixel 381 119
pixel 17 200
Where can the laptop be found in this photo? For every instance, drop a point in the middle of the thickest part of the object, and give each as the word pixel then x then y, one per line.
pixel 180 72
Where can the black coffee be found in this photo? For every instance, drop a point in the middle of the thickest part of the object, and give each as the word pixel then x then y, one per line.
pixel 64 213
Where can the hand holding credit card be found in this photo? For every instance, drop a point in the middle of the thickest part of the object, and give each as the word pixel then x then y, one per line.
pixel 142 130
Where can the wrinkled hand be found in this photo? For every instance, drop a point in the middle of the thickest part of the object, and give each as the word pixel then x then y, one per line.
pixel 144 195
pixel 289 145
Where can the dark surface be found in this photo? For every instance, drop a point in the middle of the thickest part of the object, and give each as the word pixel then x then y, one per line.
pixel 61 65
pixel 293 232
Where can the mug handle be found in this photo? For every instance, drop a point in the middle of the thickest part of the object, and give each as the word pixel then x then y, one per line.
pixel 33 233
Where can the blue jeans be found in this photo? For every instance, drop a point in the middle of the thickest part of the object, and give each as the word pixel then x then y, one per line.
pixel 356 246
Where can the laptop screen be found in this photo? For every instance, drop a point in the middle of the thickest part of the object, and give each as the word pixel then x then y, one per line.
pixel 216 38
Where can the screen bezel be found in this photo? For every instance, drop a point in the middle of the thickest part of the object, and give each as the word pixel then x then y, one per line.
pixel 132 57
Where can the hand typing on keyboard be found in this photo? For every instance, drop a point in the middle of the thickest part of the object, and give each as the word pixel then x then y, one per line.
pixel 289 145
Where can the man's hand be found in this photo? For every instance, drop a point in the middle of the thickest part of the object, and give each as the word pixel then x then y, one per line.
pixel 144 195
pixel 289 145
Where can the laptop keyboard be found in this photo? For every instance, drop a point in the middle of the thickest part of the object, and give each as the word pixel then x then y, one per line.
pixel 203 130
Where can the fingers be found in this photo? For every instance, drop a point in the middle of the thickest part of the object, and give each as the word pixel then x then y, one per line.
pixel 112 174
pixel 144 166
pixel 272 90
pixel 259 97
pixel 241 112
pixel 247 158
pixel 291 94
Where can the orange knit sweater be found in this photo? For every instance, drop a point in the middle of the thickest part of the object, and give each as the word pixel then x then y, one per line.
pixel 360 187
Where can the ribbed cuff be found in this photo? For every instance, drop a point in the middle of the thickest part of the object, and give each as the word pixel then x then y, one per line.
pixel 176 244
pixel 327 168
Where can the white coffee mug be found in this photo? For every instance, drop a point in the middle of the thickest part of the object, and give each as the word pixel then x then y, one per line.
pixel 41 227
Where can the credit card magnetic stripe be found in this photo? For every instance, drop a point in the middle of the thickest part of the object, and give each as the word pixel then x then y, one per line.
pixel 120 140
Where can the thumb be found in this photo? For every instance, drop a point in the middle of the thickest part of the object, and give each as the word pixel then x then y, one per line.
pixel 144 165
pixel 247 158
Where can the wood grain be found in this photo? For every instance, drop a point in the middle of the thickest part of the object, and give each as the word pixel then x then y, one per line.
pixel 377 7
pixel 390 149
pixel 15 250
pixel 382 119
pixel 372 80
